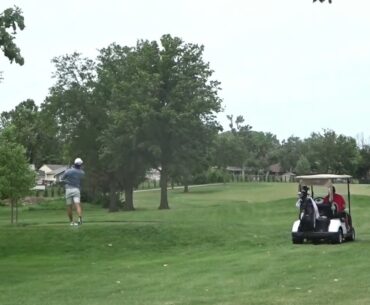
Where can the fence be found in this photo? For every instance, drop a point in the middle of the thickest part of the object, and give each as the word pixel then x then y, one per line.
pixel 50 191
pixel 262 178
pixel 58 191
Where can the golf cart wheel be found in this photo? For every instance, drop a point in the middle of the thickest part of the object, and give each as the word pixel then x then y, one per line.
pixel 297 240
pixel 352 237
pixel 338 239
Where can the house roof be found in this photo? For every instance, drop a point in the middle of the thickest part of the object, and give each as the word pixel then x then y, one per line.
pixel 233 168
pixel 289 174
pixel 54 166
pixel 58 170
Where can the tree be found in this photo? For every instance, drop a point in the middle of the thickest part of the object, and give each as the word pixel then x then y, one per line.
pixel 35 130
pixel 290 152
pixel 223 153
pixel 79 117
pixel 125 83
pixel 11 18
pixel 186 100
pixel 265 148
pixel 49 144
pixel 194 157
pixel 330 153
pixel 24 118
pixel 16 176
pixel 303 166
pixel 363 168
pixel 251 150
pixel 240 141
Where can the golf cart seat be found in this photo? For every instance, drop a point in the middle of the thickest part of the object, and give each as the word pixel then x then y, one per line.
pixel 325 210
pixel 322 224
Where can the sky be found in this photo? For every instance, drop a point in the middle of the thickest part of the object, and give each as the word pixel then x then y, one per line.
pixel 290 67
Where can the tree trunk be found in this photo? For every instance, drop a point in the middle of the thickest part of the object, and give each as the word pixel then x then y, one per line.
pixel 16 212
pixel 186 181
pixel 113 207
pixel 11 211
pixel 129 199
pixel 164 197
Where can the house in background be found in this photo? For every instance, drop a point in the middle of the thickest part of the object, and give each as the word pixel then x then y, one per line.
pixel 153 175
pixel 288 177
pixel 275 169
pixel 50 173
pixel 234 170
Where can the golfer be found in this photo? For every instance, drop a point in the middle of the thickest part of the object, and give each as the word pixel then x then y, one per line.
pixel 72 180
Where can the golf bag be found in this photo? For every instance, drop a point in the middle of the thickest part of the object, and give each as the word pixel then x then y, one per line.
pixel 307 215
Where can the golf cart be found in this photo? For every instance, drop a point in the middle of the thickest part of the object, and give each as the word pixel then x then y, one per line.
pixel 319 219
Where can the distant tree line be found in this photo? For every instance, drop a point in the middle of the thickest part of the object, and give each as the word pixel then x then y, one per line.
pixel 154 105
pixel 325 152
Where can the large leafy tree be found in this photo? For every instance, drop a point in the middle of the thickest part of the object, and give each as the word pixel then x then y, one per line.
pixel 35 131
pixel 185 104
pixel 241 141
pixel 290 152
pixel 79 117
pixel 303 166
pixel 125 82
pixel 363 168
pixel 16 176
pixel 70 100
pixel 223 153
pixel 11 20
pixel 250 150
pixel 25 118
pixel 264 147
pixel 331 153
pixel 194 157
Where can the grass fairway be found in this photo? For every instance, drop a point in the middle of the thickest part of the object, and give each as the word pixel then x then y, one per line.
pixel 227 244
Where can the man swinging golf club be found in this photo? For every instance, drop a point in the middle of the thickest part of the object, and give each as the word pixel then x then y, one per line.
pixel 72 180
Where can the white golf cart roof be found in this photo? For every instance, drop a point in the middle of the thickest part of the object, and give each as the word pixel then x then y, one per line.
pixel 322 179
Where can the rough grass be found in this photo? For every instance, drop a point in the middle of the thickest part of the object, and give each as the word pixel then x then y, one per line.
pixel 227 244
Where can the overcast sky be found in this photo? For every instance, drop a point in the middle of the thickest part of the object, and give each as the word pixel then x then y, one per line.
pixel 290 67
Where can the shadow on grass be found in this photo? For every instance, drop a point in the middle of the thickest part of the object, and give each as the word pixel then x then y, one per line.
pixel 202 191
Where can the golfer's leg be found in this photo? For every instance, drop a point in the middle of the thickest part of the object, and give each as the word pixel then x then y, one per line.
pixel 69 212
pixel 78 209
pixel 69 206
pixel 77 202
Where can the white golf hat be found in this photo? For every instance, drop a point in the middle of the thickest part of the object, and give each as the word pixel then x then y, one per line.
pixel 78 161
